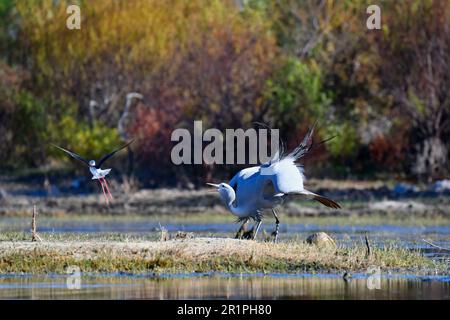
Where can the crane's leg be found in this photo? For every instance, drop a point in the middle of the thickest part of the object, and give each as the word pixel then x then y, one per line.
pixel 241 230
pixel 256 228
pixel 277 225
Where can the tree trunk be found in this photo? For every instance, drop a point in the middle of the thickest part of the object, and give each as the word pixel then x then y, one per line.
pixel 432 159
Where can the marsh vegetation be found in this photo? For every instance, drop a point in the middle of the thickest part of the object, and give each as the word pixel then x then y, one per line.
pixel 109 254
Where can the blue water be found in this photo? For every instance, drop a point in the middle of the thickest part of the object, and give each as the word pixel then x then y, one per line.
pixel 136 226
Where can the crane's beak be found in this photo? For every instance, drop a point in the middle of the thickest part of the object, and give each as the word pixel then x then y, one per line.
pixel 213 185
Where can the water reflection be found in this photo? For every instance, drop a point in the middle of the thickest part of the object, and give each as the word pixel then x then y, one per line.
pixel 222 287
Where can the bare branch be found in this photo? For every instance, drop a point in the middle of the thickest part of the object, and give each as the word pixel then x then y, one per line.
pixel 436 246
pixel 121 124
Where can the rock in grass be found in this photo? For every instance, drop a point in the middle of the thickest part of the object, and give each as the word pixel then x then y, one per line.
pixel 184 235
pixel 320 239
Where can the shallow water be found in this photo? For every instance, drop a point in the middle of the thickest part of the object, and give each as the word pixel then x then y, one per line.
pixel 224 286
pixel 145 226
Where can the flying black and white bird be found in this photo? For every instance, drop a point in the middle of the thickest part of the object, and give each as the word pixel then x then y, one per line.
pixel 261 188
pixel 95 168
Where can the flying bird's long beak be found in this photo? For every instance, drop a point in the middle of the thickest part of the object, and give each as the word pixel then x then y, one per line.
pixel 212 185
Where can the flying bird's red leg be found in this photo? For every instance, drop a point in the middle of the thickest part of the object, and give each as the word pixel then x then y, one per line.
pixel 103 189
pixel 107 188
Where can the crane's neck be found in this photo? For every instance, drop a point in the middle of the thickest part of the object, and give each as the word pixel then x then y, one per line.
pixel 229 198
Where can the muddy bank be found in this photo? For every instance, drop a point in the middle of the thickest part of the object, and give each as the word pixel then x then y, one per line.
pixel 181 202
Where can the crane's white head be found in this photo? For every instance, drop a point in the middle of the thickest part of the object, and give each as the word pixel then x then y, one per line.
pixel 225 190
pixel 92 163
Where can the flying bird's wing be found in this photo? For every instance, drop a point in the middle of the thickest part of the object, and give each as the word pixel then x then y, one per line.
pixel 109 155
pixel 72 154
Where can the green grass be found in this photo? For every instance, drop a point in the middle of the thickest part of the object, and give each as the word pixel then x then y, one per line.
pixel 374 219
pixel 213 217
pixel 80 236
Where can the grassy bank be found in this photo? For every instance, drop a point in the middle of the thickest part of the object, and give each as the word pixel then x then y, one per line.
pixel 204 255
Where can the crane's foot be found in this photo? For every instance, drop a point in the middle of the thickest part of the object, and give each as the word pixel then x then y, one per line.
pixel 244 234
pixel 248 234
pixel 242 230
pixel 275 233
pixel 275 236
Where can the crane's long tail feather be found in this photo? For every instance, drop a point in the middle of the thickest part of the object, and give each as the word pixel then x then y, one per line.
pixel 323 200
pixel 327 202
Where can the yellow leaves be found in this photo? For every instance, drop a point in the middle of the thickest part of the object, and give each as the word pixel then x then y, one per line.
pixel 214 107
pixel 330 47
pixel 133 31
pixel 127 33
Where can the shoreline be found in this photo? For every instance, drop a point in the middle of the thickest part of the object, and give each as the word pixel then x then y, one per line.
pixel 22 221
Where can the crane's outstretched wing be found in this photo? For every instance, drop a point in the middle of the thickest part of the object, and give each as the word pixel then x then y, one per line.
pixel 280 148
pixel 305 146
pixel 109 155
pixel 285 176
pixel 72 154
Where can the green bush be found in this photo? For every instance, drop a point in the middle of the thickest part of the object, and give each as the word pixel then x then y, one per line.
pixel 296 93
pixel 345 142
pixel 31 124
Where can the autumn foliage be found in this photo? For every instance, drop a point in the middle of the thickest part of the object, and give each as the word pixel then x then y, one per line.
pixel 382 93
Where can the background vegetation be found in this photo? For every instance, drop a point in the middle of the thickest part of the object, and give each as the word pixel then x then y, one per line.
pixel 385 93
